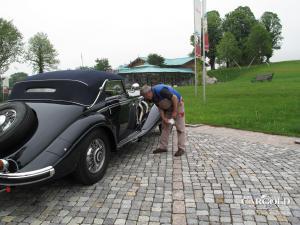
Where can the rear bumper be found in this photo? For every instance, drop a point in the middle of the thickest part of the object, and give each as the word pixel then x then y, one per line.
pixel 25 178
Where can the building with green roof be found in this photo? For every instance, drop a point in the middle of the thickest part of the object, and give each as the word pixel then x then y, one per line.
pixel 178 71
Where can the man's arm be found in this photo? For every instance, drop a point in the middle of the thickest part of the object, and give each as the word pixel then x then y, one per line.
pixel 167 94
pixel 175 106
pixel 162 115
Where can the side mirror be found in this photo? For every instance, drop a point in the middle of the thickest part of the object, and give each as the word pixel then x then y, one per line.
pixel 135 87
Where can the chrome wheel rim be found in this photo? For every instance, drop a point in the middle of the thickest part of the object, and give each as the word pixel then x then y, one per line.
pixel 96 155
pixel 7 119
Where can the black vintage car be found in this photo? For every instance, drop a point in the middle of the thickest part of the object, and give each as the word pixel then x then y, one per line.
pixel 65 122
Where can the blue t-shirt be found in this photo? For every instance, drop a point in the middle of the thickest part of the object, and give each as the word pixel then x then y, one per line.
pixel 162 91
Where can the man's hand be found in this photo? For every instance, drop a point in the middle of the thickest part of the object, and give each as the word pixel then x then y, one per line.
pixel 163 117
pixel 165 120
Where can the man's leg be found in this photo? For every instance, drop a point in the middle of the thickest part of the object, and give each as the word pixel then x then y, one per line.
pixel 164 138
pixel 180 127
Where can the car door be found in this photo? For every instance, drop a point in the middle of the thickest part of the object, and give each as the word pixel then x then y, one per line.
pixel 118 106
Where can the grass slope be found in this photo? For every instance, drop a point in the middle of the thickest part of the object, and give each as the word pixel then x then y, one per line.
pixel 270 107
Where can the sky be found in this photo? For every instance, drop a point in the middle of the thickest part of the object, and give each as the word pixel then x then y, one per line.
pixel 123 30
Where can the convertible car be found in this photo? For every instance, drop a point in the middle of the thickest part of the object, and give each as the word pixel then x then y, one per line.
pixel 64 122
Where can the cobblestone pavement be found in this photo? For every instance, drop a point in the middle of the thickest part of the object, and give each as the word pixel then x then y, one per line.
pixel 220 180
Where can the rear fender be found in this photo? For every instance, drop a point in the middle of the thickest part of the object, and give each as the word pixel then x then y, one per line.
pixel 63 146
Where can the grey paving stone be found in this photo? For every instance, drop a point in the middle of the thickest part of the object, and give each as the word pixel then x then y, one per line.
pixel 215 182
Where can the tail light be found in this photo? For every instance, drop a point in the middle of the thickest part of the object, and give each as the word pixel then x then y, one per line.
pixel 3 165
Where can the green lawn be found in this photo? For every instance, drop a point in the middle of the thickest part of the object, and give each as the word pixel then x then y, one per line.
pixel 270 107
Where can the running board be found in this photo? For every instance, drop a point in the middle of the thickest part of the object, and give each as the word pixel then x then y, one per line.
pixel 132 137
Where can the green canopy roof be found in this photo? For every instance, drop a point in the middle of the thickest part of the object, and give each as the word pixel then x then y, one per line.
pixel 148 68
pixel 178 61
pixel 173 62
pixel 154 69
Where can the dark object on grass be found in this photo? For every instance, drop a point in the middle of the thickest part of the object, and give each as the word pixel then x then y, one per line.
pixel 263 77
pixel 66 122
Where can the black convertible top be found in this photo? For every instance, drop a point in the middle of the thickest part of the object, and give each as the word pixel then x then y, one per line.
pixel 74 86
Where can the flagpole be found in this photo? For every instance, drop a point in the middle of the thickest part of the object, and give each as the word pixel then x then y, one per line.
pixel 203 49
pixel 195 58
pixel 196 79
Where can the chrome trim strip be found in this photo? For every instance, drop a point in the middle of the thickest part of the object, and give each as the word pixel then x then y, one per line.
pixel 99 93
pixel 147 106
pixel 27 175
pixel 114 105
pixel 116 97
pixel 140 117
pixel 50 100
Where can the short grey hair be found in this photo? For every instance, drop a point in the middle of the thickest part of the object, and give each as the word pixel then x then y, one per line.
pixel 145 89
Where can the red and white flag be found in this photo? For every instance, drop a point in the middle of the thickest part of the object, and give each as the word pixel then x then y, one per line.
pixel 197 46
pixel 197 27
pixel 205 28
pixel 197 17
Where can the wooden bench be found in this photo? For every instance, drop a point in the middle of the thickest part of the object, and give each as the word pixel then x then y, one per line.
pixel 263 77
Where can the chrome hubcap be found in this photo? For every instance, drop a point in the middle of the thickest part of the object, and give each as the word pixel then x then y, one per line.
pixel 95 155
pixel 7 118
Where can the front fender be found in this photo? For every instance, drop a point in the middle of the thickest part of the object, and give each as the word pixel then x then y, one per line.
pixel 153 119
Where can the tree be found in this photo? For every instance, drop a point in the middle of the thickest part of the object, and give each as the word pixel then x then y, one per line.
pixel 273 25
pixel 17 77
pixel 214 23
pixel 155 59
pixel 10 44
pixel 84 68
pixel 228 50
pixel 239 23
pixel 192 42
pixel 259 43
pixel 41 53
pixel 214 34
pixel 102 65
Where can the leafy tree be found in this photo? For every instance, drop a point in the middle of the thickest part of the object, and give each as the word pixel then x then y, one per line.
pixel 192 42
pixel 10 44
pixel 102 64
pixel 215 30
pixel 155 59
pixel 214 34
pixel 41 53
pixel 259 43
pixel 17 77
pixel 84 68
pixel 228 50
pixel 273 25
pixel 239 22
